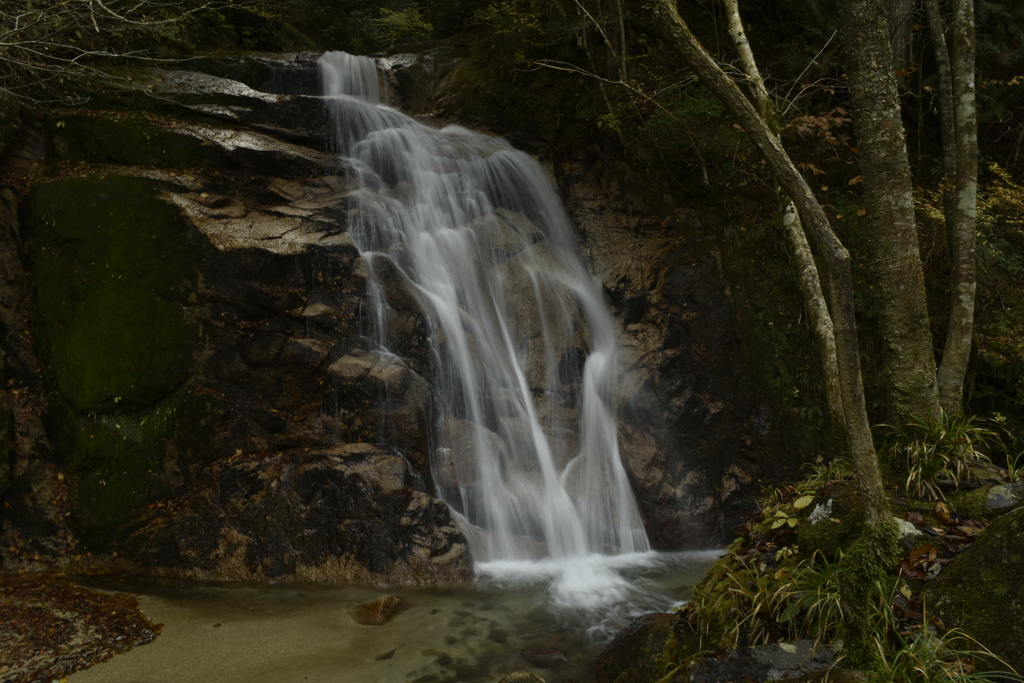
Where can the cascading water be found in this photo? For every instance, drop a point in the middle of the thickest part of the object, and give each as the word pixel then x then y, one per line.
pixel 524 350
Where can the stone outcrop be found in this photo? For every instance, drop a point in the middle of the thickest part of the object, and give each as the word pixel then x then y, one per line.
pixel 204 403
pixel 348 514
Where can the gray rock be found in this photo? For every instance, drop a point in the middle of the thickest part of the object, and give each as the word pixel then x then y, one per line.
pixel 765 662
pixel 1005 497
pixel 910 536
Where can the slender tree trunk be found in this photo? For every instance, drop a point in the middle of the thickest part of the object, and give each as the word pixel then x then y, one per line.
pixel 810 283
pixel 947 116
pixel 957 350
pixel 817 312
pixel 947 110
pixel 908 360
pixel 623 52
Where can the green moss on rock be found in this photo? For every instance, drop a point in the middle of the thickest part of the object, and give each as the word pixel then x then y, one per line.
pixel 126 139
pixel 982 589
pixel 115 463
pixel 971 504
pixel 831 534
pixel 113 268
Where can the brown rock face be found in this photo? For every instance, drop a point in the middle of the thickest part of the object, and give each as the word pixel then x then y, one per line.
pixel 380 611
pixel 695 431
pixel 248 454
pixel 348 514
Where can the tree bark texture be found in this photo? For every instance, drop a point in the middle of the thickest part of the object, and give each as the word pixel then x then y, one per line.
pixel 957 350
pixel 664 20
pixel 807 269
pixel 937 32
pixel 817 312
pixel 908 362
pixel 947 112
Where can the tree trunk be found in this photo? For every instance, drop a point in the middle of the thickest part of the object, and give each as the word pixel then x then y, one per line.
pixel 908 362
pixel 957 350
pixel 946 108
pixel 817 312
pixel 810 283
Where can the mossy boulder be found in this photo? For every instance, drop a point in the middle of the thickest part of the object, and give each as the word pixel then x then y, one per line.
pixel 982 590
pixel 115 279
pixel 636 654
pixel 117 463
pixel 114 269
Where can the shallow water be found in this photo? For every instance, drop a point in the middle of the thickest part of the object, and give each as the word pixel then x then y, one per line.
pixel 477 632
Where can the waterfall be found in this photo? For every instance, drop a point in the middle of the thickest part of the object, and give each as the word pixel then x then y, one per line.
pixel 523 349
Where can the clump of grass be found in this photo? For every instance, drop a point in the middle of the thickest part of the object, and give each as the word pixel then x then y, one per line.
pixel 931 657
pixel 824 473
pixel 756 604
pixel 766 590
pixel 938 452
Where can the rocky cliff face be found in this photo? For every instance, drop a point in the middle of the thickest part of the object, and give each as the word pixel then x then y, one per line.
pixel 189 386
pixel 202 402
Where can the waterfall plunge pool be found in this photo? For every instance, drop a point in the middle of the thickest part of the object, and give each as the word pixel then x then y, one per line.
pixel 557 614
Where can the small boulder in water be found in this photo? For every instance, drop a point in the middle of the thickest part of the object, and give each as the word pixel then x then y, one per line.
pixel 521 677
pixel 379 611
pixel 544 657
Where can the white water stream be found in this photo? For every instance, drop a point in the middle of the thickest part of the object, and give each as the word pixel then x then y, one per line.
pixel 523 347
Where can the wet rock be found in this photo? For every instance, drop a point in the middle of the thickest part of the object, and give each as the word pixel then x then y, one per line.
pixel 980 590
pixel 286 73
pixel 1005 497
pixel 544 657
pixel 456 457
pixel 379 612
pixel 695 403
pixel 347 514
pixel 521 677
pixel 542 311
pixel 764 663
pixel 415 78
pixel 634 656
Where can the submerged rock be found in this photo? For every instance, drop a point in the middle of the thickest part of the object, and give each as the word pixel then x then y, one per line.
pixel 521 677
pixel 379 612
pixel 635 655
pixel 544 657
